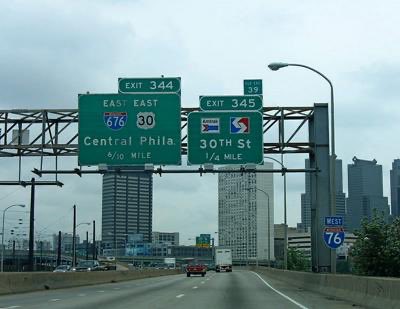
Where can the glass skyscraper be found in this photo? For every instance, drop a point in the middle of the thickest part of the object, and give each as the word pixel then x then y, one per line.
pixel 365 192
pixel 395 188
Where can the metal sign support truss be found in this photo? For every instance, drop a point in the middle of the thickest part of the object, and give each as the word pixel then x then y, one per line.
pixel 54 133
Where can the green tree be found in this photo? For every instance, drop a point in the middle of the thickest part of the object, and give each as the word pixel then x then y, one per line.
pixel 297 261
pixel 392 251
pixel 376 251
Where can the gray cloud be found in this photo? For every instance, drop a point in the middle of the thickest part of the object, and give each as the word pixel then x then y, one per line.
pixel 51 51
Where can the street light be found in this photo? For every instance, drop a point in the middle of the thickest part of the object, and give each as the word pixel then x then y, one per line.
pixel 74 242
pixel 2 232
pixel 269 228
pixel 284 211
pixel 274 66
pixel 213 248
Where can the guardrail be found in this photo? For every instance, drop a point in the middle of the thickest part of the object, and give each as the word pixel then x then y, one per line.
pixel 35 281
pixel 369 292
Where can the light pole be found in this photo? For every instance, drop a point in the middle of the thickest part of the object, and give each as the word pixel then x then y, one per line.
pixel 274 66
pixel 269 226
pixel 2 232
pixel 284 211
pixel 74 241
pixel 213 248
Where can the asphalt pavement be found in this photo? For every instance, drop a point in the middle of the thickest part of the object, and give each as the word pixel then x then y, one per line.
pixel 240 289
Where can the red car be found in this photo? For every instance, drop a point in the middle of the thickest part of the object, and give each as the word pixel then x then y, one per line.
pixel 196 269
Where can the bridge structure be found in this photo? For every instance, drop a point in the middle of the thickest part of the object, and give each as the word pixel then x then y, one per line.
pixel 50 134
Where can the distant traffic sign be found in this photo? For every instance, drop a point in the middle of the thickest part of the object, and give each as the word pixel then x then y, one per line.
pixel 252 86
pixel 150 85
pixel 225 138
pixel 334 237
pixel 225 103
pixel 123 129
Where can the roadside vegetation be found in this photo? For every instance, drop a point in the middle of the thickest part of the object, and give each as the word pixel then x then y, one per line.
pixel 376 251
pixel 297 260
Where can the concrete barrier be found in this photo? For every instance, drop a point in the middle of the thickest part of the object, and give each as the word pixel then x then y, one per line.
pixel 369 292
pixel 35 281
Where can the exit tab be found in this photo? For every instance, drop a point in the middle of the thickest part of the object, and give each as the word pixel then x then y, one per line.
pixel 231 103
pixel 150 85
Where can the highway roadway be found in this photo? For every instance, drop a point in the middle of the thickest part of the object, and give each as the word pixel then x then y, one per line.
pixel 240 289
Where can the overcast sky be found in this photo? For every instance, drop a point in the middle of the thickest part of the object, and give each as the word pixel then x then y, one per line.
pixel 52 50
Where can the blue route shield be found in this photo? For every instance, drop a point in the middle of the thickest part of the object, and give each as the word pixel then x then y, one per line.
pixel 115 120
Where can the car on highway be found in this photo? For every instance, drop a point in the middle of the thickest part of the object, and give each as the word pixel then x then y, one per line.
pixel 88 265
pixel 195 268
pixel 62 269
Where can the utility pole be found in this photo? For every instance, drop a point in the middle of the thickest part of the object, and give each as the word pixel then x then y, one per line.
pixel 74 239
pixel 59 249
pixel 31 226
pixel 94 239
pixel 41 254
pixel 13 255
pixel 87 245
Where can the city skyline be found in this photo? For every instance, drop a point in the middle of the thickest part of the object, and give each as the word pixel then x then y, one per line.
pixel 47 66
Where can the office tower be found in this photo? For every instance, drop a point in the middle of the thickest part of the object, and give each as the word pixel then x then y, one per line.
pixel 127 208
pixel 395 188
pixel 246 214
pixel 306 197
pixel 365 192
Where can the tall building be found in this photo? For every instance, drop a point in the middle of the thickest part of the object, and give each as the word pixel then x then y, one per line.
pixel 305 224
pixel 365 192
pixel 395 188
pixel 246 214
pixel 127 208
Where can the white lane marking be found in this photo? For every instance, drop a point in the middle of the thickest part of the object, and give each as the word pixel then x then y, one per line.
pixel 202 282
pixel 55 299
pixel 195 287
pixel 100 291
pixel 81 295
pixel 117 288
pixel 208 279
pixel 280 293
pixel 180 295
pixel 11 307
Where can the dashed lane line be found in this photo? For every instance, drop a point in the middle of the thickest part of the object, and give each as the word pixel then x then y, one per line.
pixel 280 293
pixel 195 287
pixel 180 295
pixel 55 299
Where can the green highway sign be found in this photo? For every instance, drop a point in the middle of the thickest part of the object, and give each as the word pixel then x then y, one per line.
pixel 229 102
pixel 225 137
pixel 123 129
pixel 252 86
pixel 150 85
